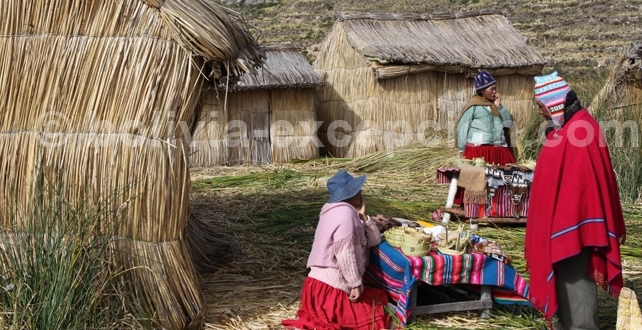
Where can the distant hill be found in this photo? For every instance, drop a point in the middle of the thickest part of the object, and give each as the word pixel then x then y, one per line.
pixel 570 34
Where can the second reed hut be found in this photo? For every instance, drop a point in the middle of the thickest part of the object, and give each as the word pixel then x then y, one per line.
pixel 265 117
pixel 624 87
pixel 396 79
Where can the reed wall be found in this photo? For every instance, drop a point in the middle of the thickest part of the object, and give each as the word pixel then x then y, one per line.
pixel 256 126
pixel 100 97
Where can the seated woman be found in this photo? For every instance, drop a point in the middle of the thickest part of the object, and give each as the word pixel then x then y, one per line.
pixel 333 295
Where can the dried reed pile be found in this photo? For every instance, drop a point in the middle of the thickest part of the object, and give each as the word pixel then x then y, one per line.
pixel 628 311
pixel 99 96
pixel 624 85
pixel 265 117
pixel 396 79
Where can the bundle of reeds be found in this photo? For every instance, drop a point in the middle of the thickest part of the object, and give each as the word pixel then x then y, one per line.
pixel 623 87
pixel 628 311
pixel 99 97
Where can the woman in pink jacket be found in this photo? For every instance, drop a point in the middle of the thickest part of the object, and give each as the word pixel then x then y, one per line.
pixel 333 295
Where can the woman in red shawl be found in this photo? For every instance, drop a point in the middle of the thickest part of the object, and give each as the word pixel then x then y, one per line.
pixel 575 222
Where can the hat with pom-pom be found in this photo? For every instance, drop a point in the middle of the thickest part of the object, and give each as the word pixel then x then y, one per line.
pixel 551 90
pixel 483 80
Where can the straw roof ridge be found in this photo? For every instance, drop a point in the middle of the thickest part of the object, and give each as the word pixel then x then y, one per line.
pixel 284 67
pixel 214 32
pixel 471 40
pixel 350 15
pixel 283 46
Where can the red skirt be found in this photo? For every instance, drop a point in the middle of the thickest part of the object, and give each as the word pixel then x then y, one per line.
pixel 324 307
pixel 492 154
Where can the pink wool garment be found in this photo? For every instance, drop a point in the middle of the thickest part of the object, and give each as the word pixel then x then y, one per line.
pixel 338 255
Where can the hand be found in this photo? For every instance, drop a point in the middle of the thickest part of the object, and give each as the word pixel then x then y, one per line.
pixel 543 111
pixel 355 294
pixel 498 100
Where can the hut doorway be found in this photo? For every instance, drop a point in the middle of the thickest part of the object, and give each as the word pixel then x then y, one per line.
pixel 249 128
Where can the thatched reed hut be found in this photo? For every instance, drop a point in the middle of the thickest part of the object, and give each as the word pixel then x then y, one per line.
pixel 94 95
pixel 391 79
pixel 265 117
pixel 624 86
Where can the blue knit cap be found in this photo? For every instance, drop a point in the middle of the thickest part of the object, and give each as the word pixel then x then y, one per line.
pixel 344 186
pixel 483 79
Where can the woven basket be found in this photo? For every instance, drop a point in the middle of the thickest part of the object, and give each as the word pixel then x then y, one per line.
pixel 456 243
pixel 415 242
pixel 393 236
pixel 414 250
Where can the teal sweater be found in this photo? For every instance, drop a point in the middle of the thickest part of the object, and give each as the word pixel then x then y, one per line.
pixel 478 126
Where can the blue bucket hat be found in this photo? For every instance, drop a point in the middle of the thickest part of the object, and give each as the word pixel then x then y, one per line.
pixel 344 186
pixel 483 79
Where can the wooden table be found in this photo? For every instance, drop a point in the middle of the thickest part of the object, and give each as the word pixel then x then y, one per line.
pixel 399 275
pixel 484 303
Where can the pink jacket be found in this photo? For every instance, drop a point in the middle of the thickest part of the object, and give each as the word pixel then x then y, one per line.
pixel 340 249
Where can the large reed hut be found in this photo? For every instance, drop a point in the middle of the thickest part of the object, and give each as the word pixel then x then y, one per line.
pixel 624 86
pixel 265 117
pixel 392 79
pixel 94 95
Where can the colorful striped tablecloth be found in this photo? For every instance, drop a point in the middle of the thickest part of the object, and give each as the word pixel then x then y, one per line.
pixel 395 272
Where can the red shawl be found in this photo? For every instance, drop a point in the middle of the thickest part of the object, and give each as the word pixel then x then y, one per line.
pixel 574 204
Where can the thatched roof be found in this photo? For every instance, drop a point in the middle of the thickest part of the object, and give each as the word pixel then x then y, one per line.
pixel 284 67
pixel 212 32
pixel 467 40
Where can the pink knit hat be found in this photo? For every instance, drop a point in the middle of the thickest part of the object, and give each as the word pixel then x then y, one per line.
pixel 551 90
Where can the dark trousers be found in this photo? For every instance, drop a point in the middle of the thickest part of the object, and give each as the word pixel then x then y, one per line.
pixel 576 294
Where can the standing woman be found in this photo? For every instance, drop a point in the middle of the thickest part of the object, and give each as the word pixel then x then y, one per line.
pixel 333 295
pixel 483 128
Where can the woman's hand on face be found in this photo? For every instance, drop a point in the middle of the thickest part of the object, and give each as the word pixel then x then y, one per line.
pixel 355 294
pixel 498 100
pixel 543 111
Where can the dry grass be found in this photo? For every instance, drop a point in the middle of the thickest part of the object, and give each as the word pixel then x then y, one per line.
pixel 272 212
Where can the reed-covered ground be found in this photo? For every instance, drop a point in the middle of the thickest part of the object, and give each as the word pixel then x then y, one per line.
pixel 272 212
